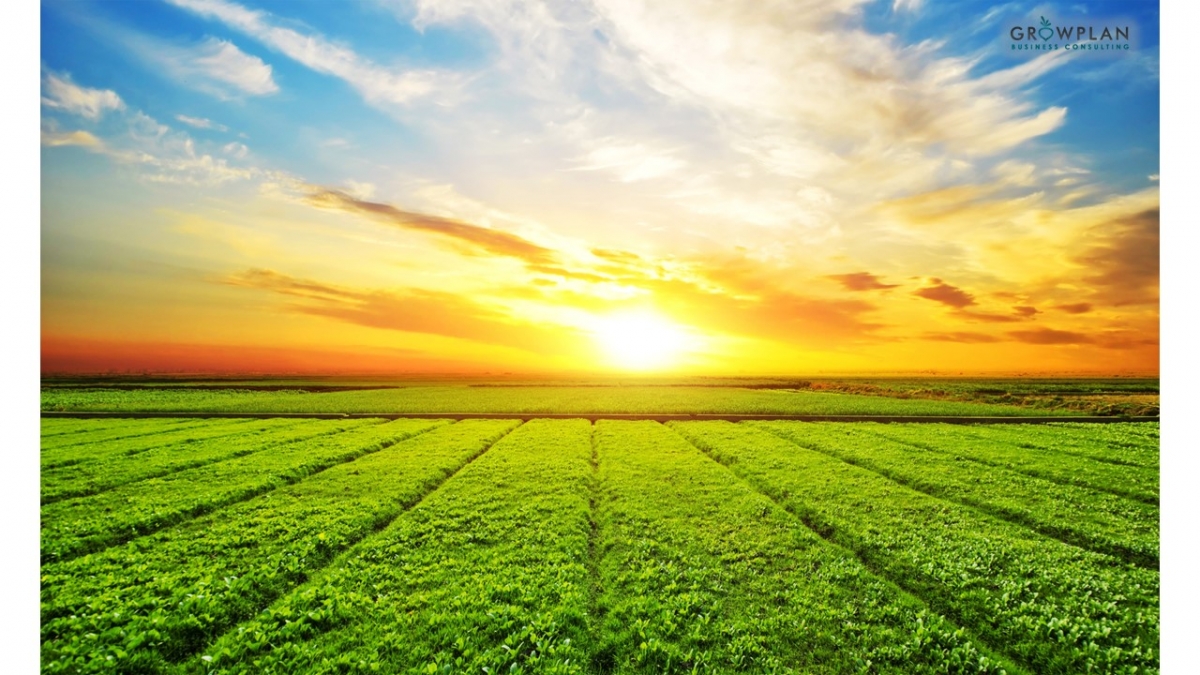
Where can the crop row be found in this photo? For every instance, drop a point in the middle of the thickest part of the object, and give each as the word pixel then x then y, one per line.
pixel 1053 607
pixel 119 468
pixel 158 599
pixel 55 427
pixel 486 575
pixel 1006 451
pixel 136 438
pixel 103 430
pixel 700 573
pixel 1097 444
pixel 1095 520
pixel 75 526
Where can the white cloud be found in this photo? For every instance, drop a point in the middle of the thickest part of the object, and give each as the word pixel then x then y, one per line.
pixel 224 62
pixel 201 123
pixel 52 137
pixel 62 94
pixel 378 85
pixel 631 161
pixel 235 150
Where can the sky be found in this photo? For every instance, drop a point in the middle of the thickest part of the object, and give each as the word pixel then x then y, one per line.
pixel 483 186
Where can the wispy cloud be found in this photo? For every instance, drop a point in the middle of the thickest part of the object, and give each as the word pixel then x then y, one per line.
pixel 60 93
pixel 859 281
pixel 378 85
pixel 940 291
pixel 1122 260
pixel 52 137
pixel 411 310
pixel 201 123
pixel 495 242
pixel 222 62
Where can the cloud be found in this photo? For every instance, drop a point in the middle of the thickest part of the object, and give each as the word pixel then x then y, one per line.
pixel 60 93
pixel 52 138
pixel 961 337
pixel 631 161
pixel 1123 260
pixel 859 281
pixel 1025 310
pixel 738 296
pixel 1050 336
pixel 378 85
pixel 236 150
pixel 939 291
pixel 201 123
pixel 214 66
pixel 762 64
pixel 223 62
pixel 154 151
pixel 496 242
pixel 1075 308
pixel 988 317
pixel 410 310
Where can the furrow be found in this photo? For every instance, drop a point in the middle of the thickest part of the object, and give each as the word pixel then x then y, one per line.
pixel 1082 517
pixel 74 527
pixel 161 598
pixel 1054 608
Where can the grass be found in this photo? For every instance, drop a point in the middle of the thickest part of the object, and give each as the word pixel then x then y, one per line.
pixel 559 546
pixel 1055 608
pixel 159 599
pixel 523 400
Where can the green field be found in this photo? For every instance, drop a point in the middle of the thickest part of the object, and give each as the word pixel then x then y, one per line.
pixel 563 546
pixel 646 395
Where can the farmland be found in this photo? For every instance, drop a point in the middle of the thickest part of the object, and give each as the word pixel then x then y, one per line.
pixel 566 546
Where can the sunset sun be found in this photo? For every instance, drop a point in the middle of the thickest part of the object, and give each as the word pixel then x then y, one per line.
pixel 640 340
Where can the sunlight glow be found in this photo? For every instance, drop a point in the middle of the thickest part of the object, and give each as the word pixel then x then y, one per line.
pixel 640 340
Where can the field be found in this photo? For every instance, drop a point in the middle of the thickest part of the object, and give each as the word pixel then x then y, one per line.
pixel 567 546
pixel 760 396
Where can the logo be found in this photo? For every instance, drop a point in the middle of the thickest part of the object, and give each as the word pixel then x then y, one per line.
pixel 1081 36
pixel 1045 32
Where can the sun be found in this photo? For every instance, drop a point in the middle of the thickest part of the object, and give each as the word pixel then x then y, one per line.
pixel 640 340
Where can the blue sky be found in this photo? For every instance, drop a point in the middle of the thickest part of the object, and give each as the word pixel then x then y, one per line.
pixel 886 176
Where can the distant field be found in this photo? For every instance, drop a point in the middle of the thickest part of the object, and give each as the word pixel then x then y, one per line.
pixel 560 546
pixel 524 399
pixel 708 395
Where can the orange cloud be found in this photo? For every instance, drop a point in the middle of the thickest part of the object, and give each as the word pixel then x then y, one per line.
pixel 946 294
pixel 75 355
pixel 496 242
pixel 1123 260
pixel 961 337
pixel 1050 336
pixel 1075 308
pixel 860 281
pixel 411 310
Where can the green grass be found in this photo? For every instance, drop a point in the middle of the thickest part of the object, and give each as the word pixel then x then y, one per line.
pixel 558 546
pixel 82 525
pixel 98 473
pixel 1007 448
pixel 522 400
pixel 1053 607
pixel 700 573
pixel 159 599
pixel 1088 518
pixel 487 575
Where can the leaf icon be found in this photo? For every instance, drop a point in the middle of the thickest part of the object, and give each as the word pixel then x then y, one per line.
pixel 1045 22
